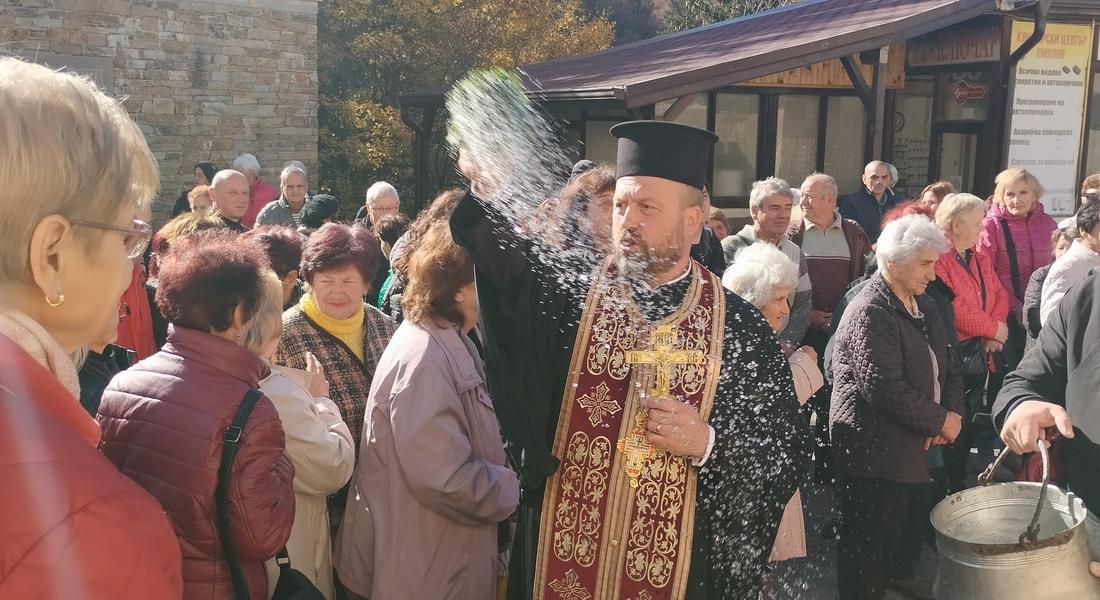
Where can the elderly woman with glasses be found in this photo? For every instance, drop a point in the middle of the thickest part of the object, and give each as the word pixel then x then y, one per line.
pixel 897 390
pixel 76 170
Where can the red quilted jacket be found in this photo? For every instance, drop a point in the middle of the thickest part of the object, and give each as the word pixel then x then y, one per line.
pixel 71 525
pixel 163 422
pixel 972 317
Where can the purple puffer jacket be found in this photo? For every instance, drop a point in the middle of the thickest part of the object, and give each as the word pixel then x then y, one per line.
pixel 1031 235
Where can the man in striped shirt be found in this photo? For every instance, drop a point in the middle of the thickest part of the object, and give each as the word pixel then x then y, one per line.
pixel 835 249
pixel 286 209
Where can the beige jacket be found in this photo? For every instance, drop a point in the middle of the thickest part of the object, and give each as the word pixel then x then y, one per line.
pixel 322 451
pixel 790 539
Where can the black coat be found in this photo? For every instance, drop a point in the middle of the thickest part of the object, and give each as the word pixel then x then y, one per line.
pixel 97 372
pixel 862 208
pixel 761 450
pixel 883 406
pixel 1063 367
pixel 708 252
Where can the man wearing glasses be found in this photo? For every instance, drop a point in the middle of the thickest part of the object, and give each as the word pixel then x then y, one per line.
pixel 867 206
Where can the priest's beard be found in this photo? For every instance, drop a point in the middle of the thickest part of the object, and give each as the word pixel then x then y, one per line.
pixel 644 262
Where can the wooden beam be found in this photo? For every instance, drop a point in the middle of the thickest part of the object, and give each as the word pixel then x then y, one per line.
pixel 858 82
pixel 678 107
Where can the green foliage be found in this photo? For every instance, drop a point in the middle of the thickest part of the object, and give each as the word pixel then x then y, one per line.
pixel 688 14
pixel 634 19
pixel 371 52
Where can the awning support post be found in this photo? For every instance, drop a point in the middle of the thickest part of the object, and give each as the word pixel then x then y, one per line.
pixel 858 82
pixel 878 88
pixel 421 147
pixel 678 107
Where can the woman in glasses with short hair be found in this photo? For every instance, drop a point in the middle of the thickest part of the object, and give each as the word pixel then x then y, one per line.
pixel 76 169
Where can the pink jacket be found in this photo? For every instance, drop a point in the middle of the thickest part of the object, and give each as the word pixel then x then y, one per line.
pixel 1031 235
pixel 262 194
pixel 972 319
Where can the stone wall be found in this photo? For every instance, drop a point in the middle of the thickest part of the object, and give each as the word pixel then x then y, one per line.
pixel 205 79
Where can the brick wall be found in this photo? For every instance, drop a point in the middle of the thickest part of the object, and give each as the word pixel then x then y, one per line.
pixel 206 80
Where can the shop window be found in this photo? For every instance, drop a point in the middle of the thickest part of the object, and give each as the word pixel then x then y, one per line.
pixel 695 114
pixel 737 123
pixel 965 96
pixel 844 140
pixel 796 137
pixel 912 136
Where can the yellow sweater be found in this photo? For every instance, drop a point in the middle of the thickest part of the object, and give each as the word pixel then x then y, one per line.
pixel 349 330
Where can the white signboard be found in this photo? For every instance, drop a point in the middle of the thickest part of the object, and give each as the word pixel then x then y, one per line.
pixel 1048 110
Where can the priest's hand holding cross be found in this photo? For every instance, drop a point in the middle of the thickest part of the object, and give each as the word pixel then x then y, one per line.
pixel 676 427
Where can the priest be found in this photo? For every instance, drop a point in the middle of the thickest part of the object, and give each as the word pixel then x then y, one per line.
pixel 651 416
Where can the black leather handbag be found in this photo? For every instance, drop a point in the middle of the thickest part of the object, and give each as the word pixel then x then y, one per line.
pixel 974 362
pixel 293 584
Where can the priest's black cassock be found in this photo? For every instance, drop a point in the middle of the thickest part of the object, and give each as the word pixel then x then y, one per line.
pixel 530 321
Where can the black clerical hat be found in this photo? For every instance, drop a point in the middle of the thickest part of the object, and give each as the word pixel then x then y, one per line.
pixel 662 149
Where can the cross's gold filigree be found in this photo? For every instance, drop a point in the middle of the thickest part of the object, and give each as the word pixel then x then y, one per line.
pixel 599 404
pixel 663 355
pixel 569 587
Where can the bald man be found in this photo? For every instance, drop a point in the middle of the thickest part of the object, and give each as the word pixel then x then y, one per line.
pixel 869 204
pixel 230 196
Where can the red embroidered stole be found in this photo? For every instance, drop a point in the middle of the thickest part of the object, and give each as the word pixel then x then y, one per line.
pixel 599 536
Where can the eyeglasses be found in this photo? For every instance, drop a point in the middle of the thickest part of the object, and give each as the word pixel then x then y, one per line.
pixel 137 235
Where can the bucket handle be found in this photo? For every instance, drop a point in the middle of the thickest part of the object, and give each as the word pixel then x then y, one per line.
pixel 1030 537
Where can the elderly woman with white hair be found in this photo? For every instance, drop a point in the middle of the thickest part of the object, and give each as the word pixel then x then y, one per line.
pixel 765 278
pixel 980 305
pixel 897 390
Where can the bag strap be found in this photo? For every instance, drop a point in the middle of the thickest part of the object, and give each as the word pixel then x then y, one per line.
pixel 1013 266
pixel 231 440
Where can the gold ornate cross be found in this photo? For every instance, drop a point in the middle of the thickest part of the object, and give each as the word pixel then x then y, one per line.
pixel 663 355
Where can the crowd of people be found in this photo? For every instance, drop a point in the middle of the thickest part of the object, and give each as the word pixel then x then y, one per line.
pixel 257 386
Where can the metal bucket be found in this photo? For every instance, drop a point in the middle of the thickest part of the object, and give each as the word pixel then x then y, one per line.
pixel 1013 540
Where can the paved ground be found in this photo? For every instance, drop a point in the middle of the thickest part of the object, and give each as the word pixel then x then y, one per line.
pixel 814 577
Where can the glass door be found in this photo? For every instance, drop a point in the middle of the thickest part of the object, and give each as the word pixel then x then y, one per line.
pixel 955 155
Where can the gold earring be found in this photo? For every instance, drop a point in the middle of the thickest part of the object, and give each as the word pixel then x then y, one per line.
pixel 60 301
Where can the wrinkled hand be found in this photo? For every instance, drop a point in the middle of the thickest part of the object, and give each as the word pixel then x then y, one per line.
pixel 318 383
pixel 820 320
pixel 952 426
pixel 808 351
pixel 939 440
pixel 990 346
pixel 1002 333
pixel 676 427
pixel 1027 424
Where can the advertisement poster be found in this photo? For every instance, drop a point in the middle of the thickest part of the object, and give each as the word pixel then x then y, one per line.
pixel 1048 110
